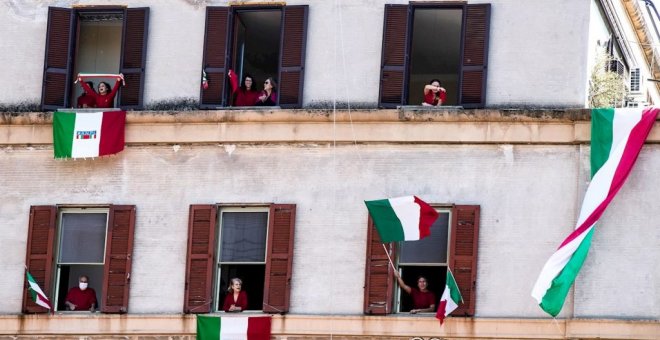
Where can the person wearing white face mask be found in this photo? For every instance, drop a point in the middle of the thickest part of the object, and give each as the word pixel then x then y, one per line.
pixel 81 297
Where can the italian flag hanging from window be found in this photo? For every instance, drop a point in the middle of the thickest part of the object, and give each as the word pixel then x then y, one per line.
pixel 233 327
pixel 617 136
pixel 83 135
pixel 405 218
pixel 37 294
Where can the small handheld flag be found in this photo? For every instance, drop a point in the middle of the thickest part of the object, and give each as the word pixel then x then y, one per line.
pixel 405 218
pixel 450 299
pixel 37 294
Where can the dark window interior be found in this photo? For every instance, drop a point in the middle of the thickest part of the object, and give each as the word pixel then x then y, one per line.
pixel 256 44
pixel 97 47
pixel 435 52
pixel 435 277
pixel 69 275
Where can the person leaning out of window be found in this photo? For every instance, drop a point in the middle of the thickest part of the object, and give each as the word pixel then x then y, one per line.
pixel 268 96
pixel 423 299
pixel 81 298
pixel 236 299
pixel 434 94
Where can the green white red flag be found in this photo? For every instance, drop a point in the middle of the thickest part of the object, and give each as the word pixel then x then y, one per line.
pixel 233 327
pixel 450 299
pixel 83 135
pixel 405 218
pixel 37 294
pixel 617 136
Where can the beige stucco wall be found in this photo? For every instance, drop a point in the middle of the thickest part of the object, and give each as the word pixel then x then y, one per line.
pixel 527 169
pixel 535 66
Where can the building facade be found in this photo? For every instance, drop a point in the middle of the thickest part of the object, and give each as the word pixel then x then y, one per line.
pixel 204 191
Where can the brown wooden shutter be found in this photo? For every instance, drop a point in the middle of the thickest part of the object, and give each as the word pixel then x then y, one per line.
pixel 475 56
pixel 218 20
pixel 57 61
pixel 118 259
pixel 39 258
pixel 134 57
pixel 292 56
pixel 379 275
pixel 200 260
pixel 395 57
pixel 279 258
pixel 463 255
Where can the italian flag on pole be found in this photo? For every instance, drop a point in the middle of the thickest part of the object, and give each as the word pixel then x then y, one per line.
pixel 82 135
pixel 402 219
pixel 450 299
pixel 233 328
pixel 37 294
pixel 617 136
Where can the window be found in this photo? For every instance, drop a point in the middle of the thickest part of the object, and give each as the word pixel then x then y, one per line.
pixel 426 257
pixel 94 40
pixel 411 57
pixel 264 41
pixel 92 241
pixel 453 244
pixel 254 243
pixel 635 80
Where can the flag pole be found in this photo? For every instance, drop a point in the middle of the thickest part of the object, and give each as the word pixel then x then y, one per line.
pixel 388 256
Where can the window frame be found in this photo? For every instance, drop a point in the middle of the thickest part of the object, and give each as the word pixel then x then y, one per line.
pixel 57 278
pixel 216 304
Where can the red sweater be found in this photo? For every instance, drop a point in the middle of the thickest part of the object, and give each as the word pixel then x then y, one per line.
pixel 243 97
pixel 102 101
pixel 242 301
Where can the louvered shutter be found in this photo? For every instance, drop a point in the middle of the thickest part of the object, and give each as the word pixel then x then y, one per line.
pixel 199 261
pixel 379 275
pixel 475 56
pixel 463 255
pixel 395 57
pixel 39 258
pixel 57 63
pixel 118 259
pixel 279 258
pixel 134 57
pixel 218 20
pixel 292 56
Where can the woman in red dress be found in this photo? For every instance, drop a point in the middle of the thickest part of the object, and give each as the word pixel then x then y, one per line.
pixel 105 98
pixel 246 94
pixel 434 94
pixel 236 299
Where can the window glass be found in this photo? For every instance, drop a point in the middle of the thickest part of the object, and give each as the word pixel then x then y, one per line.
pixel 82 237
pixel 430 250
pixel 243 236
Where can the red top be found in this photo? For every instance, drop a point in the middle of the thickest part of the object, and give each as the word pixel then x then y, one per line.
pixel 102 101
pixel 430 98
pixel 83 299
pixel 243 97
pixel 86 100
pixel 422 299
pixel 242 301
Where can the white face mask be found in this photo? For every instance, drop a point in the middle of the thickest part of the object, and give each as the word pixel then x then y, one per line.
pixel 82 285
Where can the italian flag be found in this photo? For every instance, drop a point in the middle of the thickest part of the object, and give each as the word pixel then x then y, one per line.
pixel 617 136
pixel 81 135
pixel 37 294
pixel 450 299
pixel 402 218
pixel 233 328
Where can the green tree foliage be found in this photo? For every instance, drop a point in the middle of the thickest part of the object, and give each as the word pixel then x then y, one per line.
pixel 606 88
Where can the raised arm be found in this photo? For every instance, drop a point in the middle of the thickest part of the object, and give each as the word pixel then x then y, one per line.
pixel 233 80
pixel 115 88
pixel 88 90
pixel 403 285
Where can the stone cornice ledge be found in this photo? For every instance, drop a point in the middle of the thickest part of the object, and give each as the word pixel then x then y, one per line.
pixel 404 326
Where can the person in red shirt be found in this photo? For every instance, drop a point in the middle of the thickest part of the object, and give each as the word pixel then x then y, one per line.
pixel 105 98
pixel 434 94
pixel 81 297
pixel 236 299
pixel 423 299
pixel 85 101
pixel 246 94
